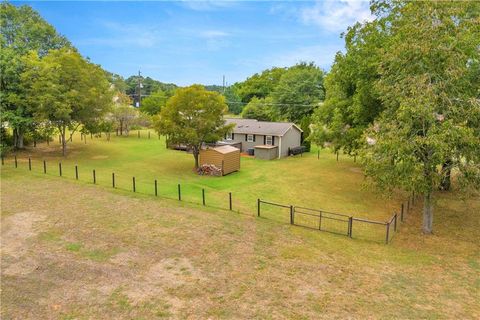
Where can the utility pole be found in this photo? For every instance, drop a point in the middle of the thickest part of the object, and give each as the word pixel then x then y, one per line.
pixel 139 89
pixel 223 84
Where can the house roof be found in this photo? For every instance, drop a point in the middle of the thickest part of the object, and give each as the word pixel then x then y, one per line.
pixel 225 149
pixel 252 126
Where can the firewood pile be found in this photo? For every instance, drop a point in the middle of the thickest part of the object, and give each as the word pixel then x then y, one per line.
pixel 209 170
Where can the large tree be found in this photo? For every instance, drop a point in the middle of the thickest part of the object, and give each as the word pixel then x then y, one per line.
pixel 193 116
pixel 259 85
pixel 152 104
pixel 21 30
pixel 428 83
pixel 66 90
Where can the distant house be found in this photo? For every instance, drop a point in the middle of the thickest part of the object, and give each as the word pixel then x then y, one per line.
pixel 264 140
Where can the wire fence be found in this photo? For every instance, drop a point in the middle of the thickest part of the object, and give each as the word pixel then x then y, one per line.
pixel 311 218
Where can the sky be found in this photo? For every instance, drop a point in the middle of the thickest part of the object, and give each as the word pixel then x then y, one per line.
pixel 186 42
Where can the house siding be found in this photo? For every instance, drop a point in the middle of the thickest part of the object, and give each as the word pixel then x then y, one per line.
pixel 292 138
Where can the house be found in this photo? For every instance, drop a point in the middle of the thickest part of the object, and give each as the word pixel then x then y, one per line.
pixel 225 157
pixel 263 139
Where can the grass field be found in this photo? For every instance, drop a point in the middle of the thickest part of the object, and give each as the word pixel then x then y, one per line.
pixel 72 250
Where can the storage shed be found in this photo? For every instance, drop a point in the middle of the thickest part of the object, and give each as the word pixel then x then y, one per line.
pixel 225 157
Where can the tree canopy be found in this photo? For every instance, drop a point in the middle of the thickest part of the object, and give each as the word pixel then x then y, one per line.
pixel 193 116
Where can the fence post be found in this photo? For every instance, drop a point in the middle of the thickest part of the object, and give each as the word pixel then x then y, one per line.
pixel 3 161
pixel 388 232
pixel 395 221
pixel 148 134
pixel 179 193
pixel 337 156
pixel 94 177
pixel 156 192
pixel 133 182
pixel 113 179
pixel 318 154
pixel 291 215
pixel 29 164
pixel 60 168
pixel 401 213
pixel 230 200
pixel 413 197
pixel 258 207
pixel 203 196
pixel 44 166
pixel 350 226
pixel 76 172
pixel 16 163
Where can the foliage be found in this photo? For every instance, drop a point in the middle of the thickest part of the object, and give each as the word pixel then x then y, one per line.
pixel 149 86
pixel 259 85
pixel 123 113
pixel 299 91
pixel 152 104
pixel 193 116
pixel 260 109
pixel 66 90
pixel 21 30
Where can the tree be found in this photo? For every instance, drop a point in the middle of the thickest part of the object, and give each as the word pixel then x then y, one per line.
pixel 21 30
pixel 66 90
pixel 259 85
pixel 154 103
pixel 260 109
pixel 428 84
pixel 123 113
pixel 299 91
pixel 193 116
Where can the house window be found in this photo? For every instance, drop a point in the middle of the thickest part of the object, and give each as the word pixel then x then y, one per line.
pixel 269 141
pixel 250 138
pixel 229 136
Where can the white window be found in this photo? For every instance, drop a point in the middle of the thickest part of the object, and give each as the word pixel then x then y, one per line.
pixel 250 138
pixel 229 136
pixel 268 140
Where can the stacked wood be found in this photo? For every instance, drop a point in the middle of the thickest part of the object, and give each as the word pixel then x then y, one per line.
pixel 209 170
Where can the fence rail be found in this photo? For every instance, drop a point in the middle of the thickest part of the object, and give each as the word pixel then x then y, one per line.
pixel 317 219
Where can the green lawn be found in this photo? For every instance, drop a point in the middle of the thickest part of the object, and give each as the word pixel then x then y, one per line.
pixel 303 181
pixel 78 251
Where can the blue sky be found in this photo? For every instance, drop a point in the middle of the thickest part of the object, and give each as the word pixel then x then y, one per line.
pixel 187 42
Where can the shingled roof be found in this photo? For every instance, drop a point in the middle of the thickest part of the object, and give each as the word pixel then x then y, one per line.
pixel 252 126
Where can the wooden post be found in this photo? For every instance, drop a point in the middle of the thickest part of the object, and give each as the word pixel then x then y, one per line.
pixel 203 196
pixel 413 197
pixel 350 224
pixel 133 182
pixel 230 200
pixel 318 154
pixel 388 232
pixel 337 156
pixel 76 172
pixel 258 207
pixel 44 166
pixel 291 215
pixel 401 213
pixel 113 179
pixel 179 193
pixel 94 177
pixel 29 164
pixel 60 168
pixel 395 223
pixel 16 163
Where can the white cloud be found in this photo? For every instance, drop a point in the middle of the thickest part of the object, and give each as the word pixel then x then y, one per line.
pixel 336 16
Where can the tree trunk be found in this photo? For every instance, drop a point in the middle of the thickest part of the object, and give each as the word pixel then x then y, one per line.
pixel 446 177
pixel 427 213
pixel 64 141
pixel 18 138
pixel 195 155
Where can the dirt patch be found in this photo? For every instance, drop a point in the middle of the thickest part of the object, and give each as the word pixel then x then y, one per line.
pixel 99 157
pixel 18 228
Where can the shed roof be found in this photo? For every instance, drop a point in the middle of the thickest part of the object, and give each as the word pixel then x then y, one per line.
pixel 252 126
pixel 224 149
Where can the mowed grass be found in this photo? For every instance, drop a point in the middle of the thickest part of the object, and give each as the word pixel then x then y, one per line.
pixel 303 181
pixel 78 251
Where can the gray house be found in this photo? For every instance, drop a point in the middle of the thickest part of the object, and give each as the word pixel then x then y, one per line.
pixel 267 140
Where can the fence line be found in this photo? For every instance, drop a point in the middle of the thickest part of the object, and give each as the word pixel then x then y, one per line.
pixel 317 219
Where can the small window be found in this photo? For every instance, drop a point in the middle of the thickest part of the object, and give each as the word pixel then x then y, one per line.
pixel 229 136
pixel 250 138
pixel 269 141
